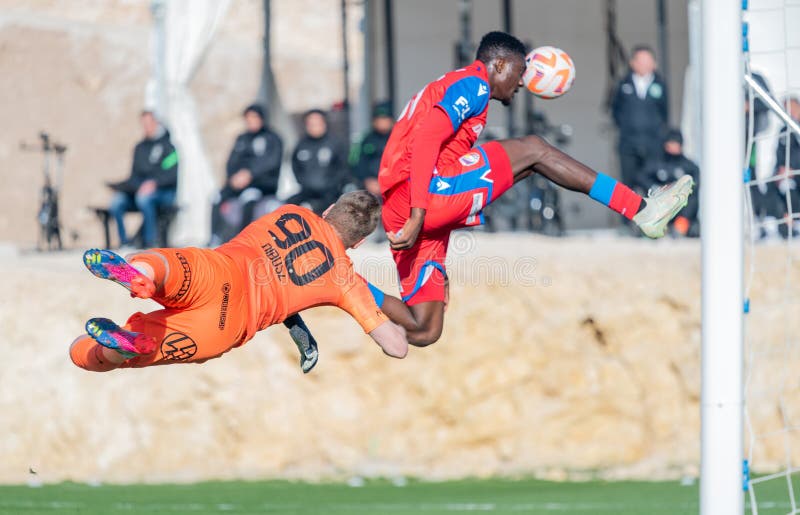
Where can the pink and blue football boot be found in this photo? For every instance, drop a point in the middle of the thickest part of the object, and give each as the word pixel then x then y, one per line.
pixel 108 265
pixel 128 343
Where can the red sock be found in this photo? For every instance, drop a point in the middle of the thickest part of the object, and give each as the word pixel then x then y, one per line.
pixel 625 201
pixel 615 195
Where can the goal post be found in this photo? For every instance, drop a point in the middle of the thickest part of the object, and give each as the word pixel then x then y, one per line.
pixel 721 208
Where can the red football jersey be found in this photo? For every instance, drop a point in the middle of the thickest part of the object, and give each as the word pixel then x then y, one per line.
pixel 464 95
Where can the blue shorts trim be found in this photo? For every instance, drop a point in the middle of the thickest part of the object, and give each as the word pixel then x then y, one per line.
pixel 465 182
pixel 421 277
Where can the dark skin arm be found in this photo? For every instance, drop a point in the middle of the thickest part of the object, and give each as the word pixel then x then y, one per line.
pixel 422 322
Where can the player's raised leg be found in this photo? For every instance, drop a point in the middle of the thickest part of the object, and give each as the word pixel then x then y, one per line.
pixel 532 154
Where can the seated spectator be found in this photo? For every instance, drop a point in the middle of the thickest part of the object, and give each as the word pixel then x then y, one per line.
pixel 793 108
pixel 773 202
pixel 253 170
pixel 760 122
pixel 365 156
pixel 318 163
pixel 152 184
pixel 670 166
pixel 760 108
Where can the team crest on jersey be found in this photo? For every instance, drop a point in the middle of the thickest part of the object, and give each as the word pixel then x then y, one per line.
pixel 470 159
pixel 655 90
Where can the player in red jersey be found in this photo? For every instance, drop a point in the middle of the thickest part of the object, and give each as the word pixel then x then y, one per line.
pixel 433 181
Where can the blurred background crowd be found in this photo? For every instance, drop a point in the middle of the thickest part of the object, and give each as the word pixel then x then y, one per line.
pixel 248 104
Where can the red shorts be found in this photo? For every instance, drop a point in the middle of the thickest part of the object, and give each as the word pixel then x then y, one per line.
pixel 458 194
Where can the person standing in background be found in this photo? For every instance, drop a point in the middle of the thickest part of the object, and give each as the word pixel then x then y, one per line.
pixel 152 183
pixel 365 155
pixel 253 170
pixel 641 113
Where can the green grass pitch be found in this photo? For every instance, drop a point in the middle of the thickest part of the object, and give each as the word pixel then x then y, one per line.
pixel 375 497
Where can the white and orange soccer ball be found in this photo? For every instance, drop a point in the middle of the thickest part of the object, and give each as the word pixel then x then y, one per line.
pixel 549 72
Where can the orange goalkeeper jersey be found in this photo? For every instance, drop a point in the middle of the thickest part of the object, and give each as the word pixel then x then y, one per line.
pixel 293 260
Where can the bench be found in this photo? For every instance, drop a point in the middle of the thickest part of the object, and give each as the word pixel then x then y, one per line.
pixel 166 214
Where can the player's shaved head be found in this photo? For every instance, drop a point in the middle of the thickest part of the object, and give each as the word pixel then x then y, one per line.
pixel 354 216
pixel 498 44
pixel 504 57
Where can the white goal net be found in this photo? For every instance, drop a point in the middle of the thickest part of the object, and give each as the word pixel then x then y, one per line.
pixel 772 251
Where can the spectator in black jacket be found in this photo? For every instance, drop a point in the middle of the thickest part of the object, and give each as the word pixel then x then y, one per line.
pixel 760 120
pixel 365 156
pixel 760 108
pixel 153 181
pixel 668 167
pixel 640 110
pixel 319 164
pixel 252 171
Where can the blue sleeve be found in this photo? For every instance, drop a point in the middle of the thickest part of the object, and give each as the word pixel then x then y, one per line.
pixel 377 294
pixel 464 99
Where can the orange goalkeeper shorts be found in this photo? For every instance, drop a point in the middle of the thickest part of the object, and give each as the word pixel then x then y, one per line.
pixel 205 308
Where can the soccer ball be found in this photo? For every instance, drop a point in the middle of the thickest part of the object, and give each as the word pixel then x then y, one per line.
pixel 549 72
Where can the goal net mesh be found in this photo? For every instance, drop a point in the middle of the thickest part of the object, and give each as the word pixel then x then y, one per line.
pixel 772 252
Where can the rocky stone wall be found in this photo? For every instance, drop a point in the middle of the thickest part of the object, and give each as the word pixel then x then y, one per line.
pixel 558 356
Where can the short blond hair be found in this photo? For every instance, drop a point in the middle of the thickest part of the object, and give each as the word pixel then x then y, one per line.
pixel 355 215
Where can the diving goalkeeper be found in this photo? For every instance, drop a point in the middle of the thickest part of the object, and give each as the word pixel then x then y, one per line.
pixel 215 300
